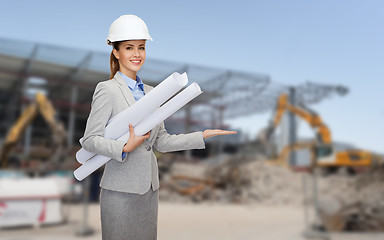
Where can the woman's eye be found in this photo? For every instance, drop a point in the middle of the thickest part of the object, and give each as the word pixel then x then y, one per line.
pixel 129 48
pixel 142 48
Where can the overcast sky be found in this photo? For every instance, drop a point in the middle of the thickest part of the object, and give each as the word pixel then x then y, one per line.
pixel 335 42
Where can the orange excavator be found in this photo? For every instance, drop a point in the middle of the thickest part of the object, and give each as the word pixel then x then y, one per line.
pixel 43 106
pixel 321 148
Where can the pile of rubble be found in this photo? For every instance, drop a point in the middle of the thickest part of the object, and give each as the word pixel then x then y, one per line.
pixel 232 180
pixel 352 203
pixel 346 202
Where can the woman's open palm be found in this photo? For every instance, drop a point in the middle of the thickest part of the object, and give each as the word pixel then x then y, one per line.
pixel 216 132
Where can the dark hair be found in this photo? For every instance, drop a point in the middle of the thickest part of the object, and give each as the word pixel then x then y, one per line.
pixel 114 62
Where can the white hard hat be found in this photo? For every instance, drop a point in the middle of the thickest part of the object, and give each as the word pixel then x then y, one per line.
pixel 128 27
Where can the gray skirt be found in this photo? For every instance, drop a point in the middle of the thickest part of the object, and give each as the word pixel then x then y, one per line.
pixel 128 215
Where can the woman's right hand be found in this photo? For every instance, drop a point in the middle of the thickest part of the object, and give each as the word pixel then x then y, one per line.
pixel 134 141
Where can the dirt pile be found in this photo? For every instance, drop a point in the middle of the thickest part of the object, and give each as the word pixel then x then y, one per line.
pixel 346 202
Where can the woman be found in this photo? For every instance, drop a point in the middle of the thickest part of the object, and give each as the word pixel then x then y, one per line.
pixel 130 182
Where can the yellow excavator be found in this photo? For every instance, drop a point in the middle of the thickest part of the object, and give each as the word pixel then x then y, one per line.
pixel 321 148
pixel 45 108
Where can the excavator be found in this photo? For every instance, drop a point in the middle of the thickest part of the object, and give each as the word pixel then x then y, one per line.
pixel 323 159
pixel 43 106
pixel 321 148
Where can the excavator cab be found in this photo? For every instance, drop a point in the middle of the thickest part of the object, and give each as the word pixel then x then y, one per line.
pixel 324 150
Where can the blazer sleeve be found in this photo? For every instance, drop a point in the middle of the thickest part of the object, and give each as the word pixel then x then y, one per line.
pixel 93 140
pixel 166 142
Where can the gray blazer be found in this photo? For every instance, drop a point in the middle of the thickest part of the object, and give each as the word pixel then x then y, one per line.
pixel 138 170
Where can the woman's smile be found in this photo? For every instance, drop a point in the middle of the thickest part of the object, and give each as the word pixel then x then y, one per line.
pixel 136 62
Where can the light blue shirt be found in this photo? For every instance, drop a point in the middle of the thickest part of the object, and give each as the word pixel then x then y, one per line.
pixel 137 89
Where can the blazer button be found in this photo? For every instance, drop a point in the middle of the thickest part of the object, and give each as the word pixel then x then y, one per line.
pixel 148 148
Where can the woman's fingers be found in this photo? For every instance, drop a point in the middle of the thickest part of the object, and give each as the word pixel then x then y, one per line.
pixel 227 132
pixel 216 132
pixel 131 132
pixel 134 141
pixel 223 132
pixel 147 135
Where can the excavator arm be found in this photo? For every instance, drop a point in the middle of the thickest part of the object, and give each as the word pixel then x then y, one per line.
pixel 57 128
pixel 314 120
pixel 323 145
pixel 42 105
pixel 13 136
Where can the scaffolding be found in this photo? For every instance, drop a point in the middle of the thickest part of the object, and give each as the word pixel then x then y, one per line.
pixel 69 76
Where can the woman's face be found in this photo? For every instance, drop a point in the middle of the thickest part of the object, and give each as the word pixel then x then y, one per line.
pixel 131 56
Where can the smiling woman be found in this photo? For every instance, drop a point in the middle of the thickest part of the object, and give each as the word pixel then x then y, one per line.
pixel 129 186
pixel 128 57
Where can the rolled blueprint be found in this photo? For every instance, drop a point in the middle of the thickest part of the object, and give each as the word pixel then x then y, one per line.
pixel 119 124
pixel 143 127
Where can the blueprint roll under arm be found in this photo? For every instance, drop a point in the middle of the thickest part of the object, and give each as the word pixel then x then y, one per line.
pixel 118 125
pixel 144 126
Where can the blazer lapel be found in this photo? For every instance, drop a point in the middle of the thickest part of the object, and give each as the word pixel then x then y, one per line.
pixel 147 88
pixel 125 89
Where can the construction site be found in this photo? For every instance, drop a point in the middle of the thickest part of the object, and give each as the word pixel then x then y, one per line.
pixel 276 185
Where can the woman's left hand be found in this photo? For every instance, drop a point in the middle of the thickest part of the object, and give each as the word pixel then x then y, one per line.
pixel 215 132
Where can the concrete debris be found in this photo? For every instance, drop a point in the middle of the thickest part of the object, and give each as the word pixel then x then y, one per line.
pixel 346 202
pixel 234 180
pixel 356 201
